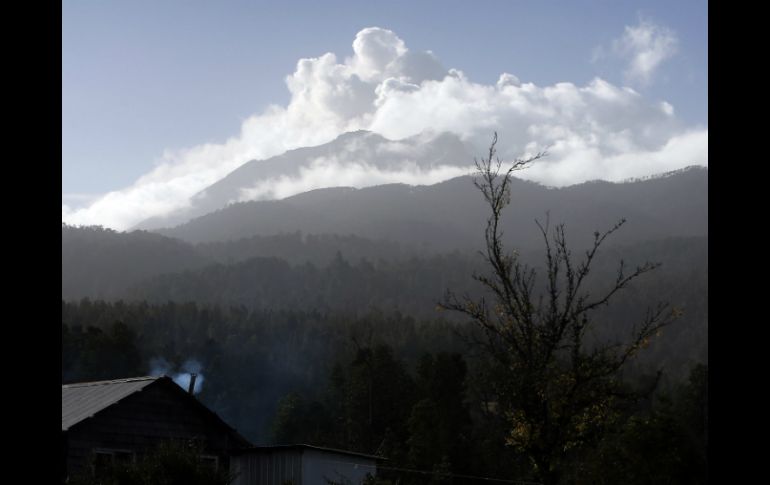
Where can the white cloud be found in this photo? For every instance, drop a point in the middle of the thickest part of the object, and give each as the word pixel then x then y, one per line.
pixel 333 172
pixel 75 199
pixel 582 161
pixel 646 46
pixel 595 131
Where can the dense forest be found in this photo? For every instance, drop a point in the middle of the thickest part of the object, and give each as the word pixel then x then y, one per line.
pixel 101 264
pixel 343 341
pixel 412 390
pixel 355 355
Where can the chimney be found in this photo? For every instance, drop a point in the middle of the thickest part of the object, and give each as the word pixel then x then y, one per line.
pixel 192 383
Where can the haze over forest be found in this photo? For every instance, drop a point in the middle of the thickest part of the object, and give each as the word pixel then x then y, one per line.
pixel 350 258
pixel 305 269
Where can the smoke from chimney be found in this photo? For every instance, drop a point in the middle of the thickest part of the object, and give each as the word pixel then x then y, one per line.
pixel 188 377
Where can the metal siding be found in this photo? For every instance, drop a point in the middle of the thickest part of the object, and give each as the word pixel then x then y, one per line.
pixel 273 468
pixel 320 466
pixel 302 464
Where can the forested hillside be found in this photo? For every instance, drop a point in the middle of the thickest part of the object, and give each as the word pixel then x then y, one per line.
pixel 450 215
pixel 338 339
pixel 308 295
pixel 291 376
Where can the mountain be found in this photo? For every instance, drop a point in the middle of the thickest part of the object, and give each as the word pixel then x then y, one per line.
pixel 102 263
pixel 393 222
pixel 298 170
pixel 413 286
pixel 451 215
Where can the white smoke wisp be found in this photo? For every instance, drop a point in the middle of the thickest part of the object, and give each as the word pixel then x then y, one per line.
pixel 594 131
pixel 160 366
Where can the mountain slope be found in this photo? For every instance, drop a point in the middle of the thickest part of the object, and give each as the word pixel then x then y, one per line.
pixel 298 170
pixel 391 222
pixel 451 215
pixel 102 263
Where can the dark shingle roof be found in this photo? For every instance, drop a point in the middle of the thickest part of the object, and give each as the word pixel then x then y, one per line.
pixel 82 400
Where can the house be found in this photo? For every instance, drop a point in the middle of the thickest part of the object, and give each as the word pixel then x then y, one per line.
pixel 301 465
pixel 122 419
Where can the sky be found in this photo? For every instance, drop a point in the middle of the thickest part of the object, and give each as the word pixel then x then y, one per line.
pixel 161 99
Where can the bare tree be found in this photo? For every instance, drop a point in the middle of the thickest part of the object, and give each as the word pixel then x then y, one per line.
pixel 554 389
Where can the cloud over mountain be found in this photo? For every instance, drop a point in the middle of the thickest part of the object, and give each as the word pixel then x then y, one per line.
pixel 596 131
pixel 646 46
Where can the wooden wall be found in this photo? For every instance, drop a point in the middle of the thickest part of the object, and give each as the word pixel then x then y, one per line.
pixel 141 421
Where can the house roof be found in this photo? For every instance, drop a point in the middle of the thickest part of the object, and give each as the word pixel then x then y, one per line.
pixel 296 447
pixel 82 400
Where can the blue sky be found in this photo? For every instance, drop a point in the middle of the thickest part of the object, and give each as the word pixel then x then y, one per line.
pixel 142 78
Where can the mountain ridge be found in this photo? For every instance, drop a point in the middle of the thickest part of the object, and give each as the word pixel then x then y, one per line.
pixel 675 204
pixel 359 148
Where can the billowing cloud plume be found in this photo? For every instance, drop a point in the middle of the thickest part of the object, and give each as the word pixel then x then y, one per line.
pixel 645 46
pixel 596 131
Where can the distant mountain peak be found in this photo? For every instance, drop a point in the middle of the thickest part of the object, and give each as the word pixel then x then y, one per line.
pixel 358 158
pixel 357 134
